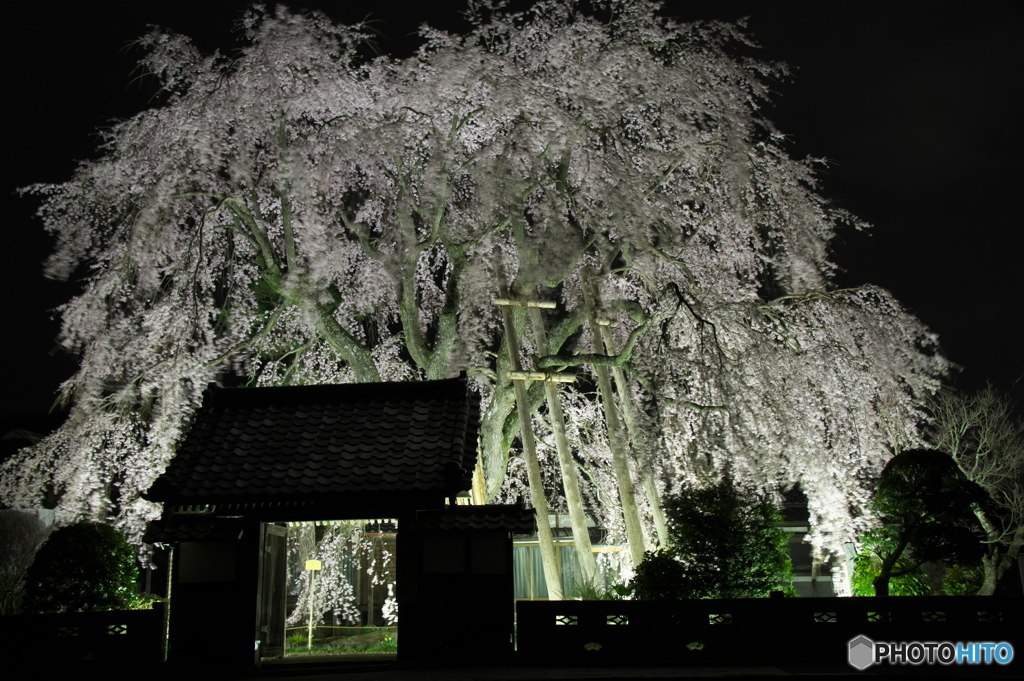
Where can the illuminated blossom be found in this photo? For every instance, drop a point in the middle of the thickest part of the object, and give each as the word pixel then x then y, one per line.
pixel 302 214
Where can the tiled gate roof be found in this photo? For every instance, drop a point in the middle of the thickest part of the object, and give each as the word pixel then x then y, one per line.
pixel 510 518
pixel 264 445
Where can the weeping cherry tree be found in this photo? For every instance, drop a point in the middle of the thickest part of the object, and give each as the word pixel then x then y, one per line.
pixel 303 213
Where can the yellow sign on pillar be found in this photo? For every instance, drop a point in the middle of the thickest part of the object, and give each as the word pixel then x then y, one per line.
pixel 312 566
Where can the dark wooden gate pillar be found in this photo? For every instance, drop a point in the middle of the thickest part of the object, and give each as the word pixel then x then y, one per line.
pixel 456 588
pixel 212 607
pixel 273 581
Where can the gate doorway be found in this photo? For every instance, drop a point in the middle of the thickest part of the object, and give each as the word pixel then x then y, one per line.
pixel 349 596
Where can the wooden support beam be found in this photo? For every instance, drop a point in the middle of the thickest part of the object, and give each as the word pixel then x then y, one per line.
pixel 512 302
pixel 548 376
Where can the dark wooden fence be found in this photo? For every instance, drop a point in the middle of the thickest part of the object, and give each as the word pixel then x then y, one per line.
pixel 125 639
pixel 635 633
pixel 752 631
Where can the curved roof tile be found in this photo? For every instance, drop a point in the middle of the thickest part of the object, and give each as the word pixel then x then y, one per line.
pixel 267 444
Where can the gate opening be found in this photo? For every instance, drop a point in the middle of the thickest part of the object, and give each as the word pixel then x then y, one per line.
pixel 328 587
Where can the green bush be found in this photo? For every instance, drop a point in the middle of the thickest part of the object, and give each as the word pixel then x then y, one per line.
pixel 726 542
pixel 297 639
pixel 589 591
pixel 82 567
pixel 660 577
pixel 144 601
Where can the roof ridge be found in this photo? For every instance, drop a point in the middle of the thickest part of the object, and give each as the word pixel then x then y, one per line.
pixel 335 392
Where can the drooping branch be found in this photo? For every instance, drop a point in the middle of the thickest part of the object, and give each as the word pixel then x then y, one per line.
pixel 685 404
pixel 263 332
pixel 289 231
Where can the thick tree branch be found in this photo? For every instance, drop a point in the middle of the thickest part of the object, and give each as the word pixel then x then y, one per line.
pixel 619 360
pixel 448 319
pixel 339 338
pixel 257 235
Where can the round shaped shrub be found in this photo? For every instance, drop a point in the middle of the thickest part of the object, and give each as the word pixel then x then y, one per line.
pixel 85 566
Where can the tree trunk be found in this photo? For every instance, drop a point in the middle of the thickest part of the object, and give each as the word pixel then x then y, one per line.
pixel 1009 558
pixel 346 345
pixel 494 445
pixel 990 569
pixel 570 480
pixel 881 582
pixel 995 563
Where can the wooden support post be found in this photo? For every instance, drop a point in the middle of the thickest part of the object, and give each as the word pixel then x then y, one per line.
pixel 634 431
pixel 478 491
pixel 552 575
pixel 570 480
pixel 620 462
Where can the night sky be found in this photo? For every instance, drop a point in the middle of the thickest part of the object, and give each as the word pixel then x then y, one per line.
pixel 917 109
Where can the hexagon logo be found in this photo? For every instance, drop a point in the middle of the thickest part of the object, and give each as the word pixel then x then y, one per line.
pixel 862 652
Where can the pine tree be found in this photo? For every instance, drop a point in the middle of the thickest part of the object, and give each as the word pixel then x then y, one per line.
pixel 924 502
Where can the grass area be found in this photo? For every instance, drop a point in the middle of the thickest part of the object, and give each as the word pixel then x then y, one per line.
pixel 317 649
pixel 364 640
